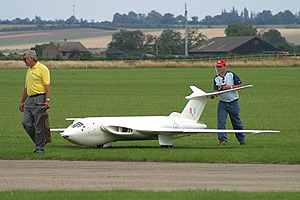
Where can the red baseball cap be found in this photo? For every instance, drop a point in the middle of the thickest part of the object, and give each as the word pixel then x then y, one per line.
pixel 221 63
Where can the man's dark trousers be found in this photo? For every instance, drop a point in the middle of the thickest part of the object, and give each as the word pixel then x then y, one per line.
pixel 33 120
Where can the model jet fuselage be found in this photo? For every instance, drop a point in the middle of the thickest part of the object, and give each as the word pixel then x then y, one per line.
pixel 101 131
pixel 95 131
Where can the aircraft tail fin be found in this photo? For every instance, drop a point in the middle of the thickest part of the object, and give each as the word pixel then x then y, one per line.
pixel 194 107
pixel 198 99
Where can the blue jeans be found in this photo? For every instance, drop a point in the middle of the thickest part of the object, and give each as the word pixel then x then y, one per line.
pixel 233 109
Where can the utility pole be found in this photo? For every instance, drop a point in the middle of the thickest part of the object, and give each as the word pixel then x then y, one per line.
pixel 186 32
pixel 73 9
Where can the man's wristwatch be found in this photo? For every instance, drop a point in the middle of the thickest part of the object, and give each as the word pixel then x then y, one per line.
pixel 48 99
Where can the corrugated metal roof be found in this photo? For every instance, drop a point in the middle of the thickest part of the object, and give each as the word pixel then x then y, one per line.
pixel 70 46
pixel 222 44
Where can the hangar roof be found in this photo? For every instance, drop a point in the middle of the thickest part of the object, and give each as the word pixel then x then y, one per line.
pixel 222 44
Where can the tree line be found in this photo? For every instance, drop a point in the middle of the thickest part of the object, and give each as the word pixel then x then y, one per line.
pixel 155 19
pixel 261 18
pixel 171 42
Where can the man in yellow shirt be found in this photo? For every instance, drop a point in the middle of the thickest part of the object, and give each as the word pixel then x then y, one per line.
pixel 37 96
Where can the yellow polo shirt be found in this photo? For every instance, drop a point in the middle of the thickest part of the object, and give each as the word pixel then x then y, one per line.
pixel 36 78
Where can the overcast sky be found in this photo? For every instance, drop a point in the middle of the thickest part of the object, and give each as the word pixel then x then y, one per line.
pixel 101 10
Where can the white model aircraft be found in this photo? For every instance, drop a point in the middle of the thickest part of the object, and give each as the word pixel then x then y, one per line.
pixel 102 131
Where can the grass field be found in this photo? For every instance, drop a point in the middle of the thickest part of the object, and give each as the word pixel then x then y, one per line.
pixel 123 195
pixel 273 103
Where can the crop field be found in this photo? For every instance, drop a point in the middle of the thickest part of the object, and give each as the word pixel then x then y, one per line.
pixel 291 35
pixel 246 62
pixel 95 38
pixel 27 39
pixel 273 103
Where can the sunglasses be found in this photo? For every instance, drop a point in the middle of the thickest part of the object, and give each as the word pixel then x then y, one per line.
pixel 219 66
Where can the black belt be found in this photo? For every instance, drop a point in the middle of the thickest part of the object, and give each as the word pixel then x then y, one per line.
pixel 35 95
pixel 230 101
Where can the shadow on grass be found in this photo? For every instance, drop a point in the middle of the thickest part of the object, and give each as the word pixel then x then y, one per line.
pixel 144 147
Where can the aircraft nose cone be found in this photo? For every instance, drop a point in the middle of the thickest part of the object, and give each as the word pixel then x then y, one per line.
pixel 66 136
pixel 71 136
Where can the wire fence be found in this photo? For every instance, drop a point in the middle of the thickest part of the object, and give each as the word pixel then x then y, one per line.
pixel 213 58
pixel 252 57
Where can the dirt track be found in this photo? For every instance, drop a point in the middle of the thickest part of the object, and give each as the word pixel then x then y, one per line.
pixel 100 175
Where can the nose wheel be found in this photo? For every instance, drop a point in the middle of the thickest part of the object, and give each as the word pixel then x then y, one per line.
pixel 102 146
pixel 167 146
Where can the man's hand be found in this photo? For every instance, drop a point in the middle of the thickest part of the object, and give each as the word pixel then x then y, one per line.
pixel 226 87
pixel 47 104
pixel 21 107
pixel 214 96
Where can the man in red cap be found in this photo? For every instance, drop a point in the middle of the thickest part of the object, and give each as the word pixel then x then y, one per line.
pixel 228 102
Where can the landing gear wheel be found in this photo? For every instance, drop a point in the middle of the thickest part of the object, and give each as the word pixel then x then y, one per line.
pixel 167 146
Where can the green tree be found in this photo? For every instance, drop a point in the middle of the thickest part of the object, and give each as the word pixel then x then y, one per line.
pixel 130 42
pixel 238 29
pixel 274 37
pixel 1 55
pixel 170 43
pixel 180 19
pixel 72 20
pixel 195 38
pixel 154 17
pixel 168 18
pixel 246 14
pixel 117 18
pixel 84 56
pixel 265 17
pixel 195 20
pixel 286 17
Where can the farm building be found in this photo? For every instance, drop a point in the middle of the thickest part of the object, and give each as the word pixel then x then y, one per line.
pixel 233 44
pixel 63 49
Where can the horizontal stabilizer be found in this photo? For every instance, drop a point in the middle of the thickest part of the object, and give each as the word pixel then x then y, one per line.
pixel 200 94
pixel 57 129
pixel 73 119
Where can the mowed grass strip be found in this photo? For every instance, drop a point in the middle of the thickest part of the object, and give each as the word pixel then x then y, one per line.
pixel 123 194
pixel 273 103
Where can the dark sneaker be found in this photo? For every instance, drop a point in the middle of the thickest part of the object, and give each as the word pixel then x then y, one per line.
pixel 243 142
pixel 222 143
pixel 39 151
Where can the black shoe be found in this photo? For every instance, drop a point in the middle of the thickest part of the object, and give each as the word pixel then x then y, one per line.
pixel 39 151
